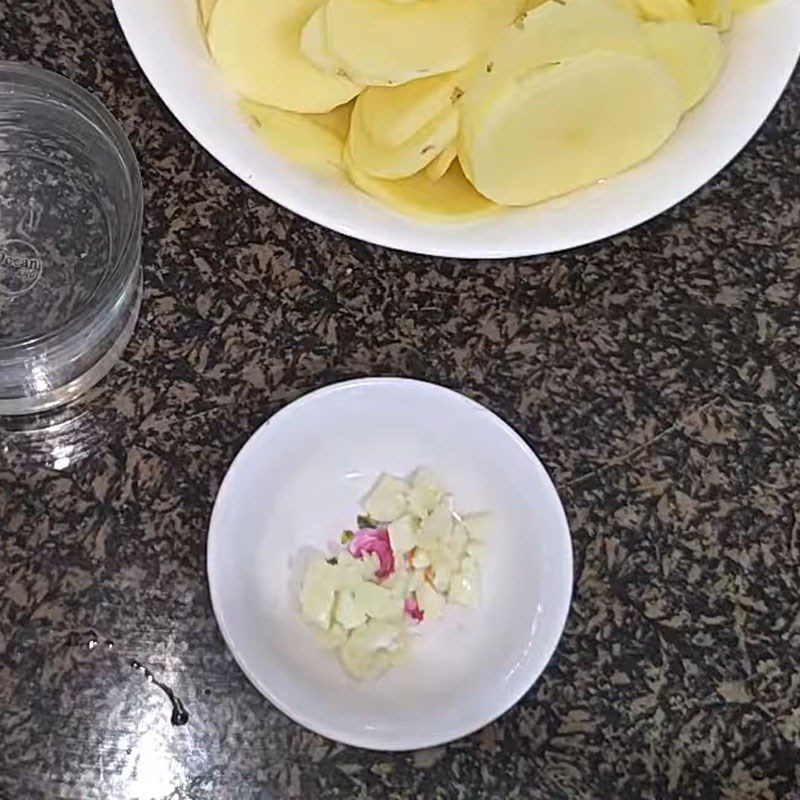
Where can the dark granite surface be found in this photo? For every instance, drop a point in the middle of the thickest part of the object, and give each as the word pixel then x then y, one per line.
pixel 657 375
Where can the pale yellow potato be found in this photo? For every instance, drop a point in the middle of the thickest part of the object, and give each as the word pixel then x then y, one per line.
pixel 567 126
pixel 450 199
pixel 628 5
pixel 257 45
pixel 680 10
pixel 725 15
pixel 551 33
pixel 314 43
pixel 205 8
pixel 336 121
pixel 386 44
pixel 405 159
pixel 692 53
pixel 741 6
pixel 310 139
pixel 714 12
pixel 392 115
pixel 442 163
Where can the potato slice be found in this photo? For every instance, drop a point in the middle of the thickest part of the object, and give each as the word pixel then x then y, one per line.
pixel 309 139
pixel 392 115
pixel 336 121
pixel 451 199
pixel 407 158
pixel 204 9
pixel 385 44
pixel 257 45
pixel 439 166
pixel 566 126
pixel 692 53
pixel 550 34
pixel 627 5
pixel 681 10
pixel 714 12
pixel 314 43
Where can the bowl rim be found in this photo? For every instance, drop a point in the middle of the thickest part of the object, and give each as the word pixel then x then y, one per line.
pixel 648 205
pixel 384 742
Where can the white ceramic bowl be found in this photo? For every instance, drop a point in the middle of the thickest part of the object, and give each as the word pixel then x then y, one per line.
pixel 762 51
pixel 298 483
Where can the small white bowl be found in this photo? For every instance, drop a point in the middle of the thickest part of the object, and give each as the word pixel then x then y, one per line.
pixel 762 51
pixel 298 483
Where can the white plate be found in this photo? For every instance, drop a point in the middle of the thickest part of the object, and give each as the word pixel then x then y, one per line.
pixel 298 483
pixel 762 51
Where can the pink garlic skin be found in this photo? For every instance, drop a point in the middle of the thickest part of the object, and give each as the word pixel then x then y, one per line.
pixel 374 540
pixel 411 607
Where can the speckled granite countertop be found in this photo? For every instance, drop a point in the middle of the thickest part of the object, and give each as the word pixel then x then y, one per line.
pixel 657 374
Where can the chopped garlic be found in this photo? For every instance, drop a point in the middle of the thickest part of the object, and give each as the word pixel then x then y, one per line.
pixel 442 575
pixel 374 647
pixel 387 501
pixel 348 613
pixel 464 590
pixel 333 638
pixel 421 558
pixel 476 549
pixel 399 566
pixel 431 603
pixel 437 526
pixel 425 493
pixel 377 602
pixel 459 539
pixel 319 592
pixel 403 534
pixel 479 525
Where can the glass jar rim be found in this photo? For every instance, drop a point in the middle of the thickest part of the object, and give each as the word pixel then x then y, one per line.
pixel 38 83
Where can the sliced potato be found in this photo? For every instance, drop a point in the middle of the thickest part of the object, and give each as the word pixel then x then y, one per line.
pixel 439 166
pixel 681 10
pixel 405 159
pixel 205 9
pixel 257 45
pixel 551 33
pixel 385 44
pixel 304 138
pixel 627 5
pixel 714 12
pixel 741 6
pixel 451 199
pixel 336 121
pixel 692 53
pixel 314 43
pixel 392 115
pixel 566 126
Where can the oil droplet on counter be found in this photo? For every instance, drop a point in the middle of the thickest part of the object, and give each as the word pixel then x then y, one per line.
pixel 180 716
